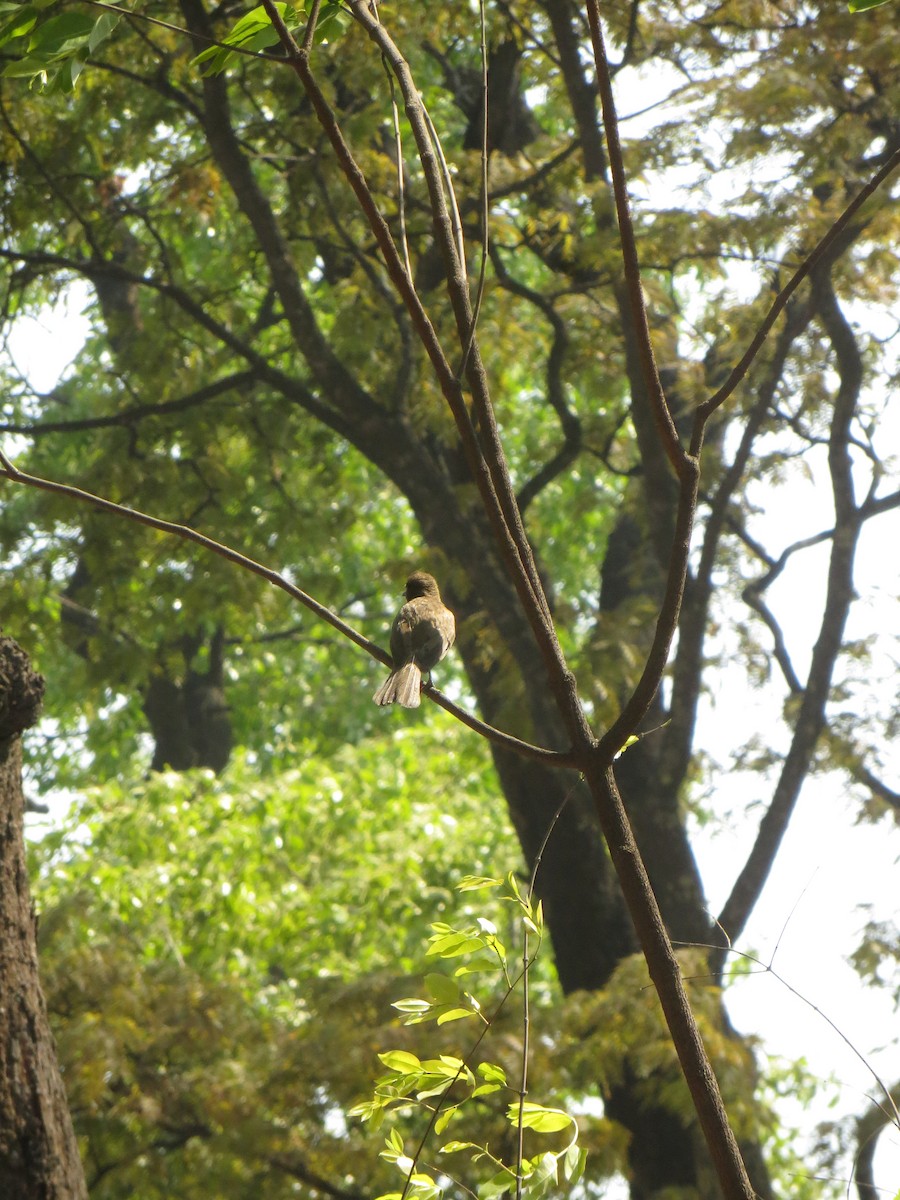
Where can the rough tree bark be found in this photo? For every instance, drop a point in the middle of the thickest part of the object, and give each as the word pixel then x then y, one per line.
pixel 39 1157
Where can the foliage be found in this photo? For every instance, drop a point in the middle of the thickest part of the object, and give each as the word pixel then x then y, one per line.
pixel 222 957
pixel 249 371
pixel 447 1085
pixel 275 919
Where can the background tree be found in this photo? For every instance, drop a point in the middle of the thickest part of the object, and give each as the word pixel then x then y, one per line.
pixel 251 372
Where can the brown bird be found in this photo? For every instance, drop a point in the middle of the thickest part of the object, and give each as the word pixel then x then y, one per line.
pixel 422 633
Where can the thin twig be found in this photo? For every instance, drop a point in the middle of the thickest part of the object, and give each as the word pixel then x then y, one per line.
pixel 527 959
pixel 398 150
pixel 401 184
pixel 768 969
pixel 483 449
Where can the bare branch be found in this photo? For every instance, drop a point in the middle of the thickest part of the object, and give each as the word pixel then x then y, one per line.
pixel 569 421
pixel 664 423
pixel 869 1126
pixel 186 533
pixel 839 595
pixel 128 417
pixel 666 975
pixel 484 453
pixel 861 774
pixel 687 669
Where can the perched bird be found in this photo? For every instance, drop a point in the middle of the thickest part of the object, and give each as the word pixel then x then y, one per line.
pixel 422 633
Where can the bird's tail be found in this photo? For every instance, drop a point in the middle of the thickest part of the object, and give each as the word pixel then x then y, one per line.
pixel 402 686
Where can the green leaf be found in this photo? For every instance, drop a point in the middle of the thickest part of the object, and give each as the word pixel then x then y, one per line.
pixel 253 32
pixel 498 1185
pixel 21 22
pixel 861 6
pixel 454 1014
pixel 103 27
pixel 627 744
pixel 486 1089
pixel 401 1061
pixel 474 883
pixel 542 1176
pixel 60 33
pixel 24 68
pixel 574 1161
pixel 441 988
pixel 539 1118
pixel 412 1005
pixel 491 1071
pixel 447 1065
pixel 333 21
pixel 452 945
pixel 445 1117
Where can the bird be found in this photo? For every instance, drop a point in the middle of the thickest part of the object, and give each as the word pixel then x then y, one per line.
pixel 422 633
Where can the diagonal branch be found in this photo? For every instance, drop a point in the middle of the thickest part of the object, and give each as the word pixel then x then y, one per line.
pixel 869 1127
pixel 838 598
pixel 186 533
pixel 483 450
pixel 687 668
pixel 137 412
pixel 290 387
pixel 665 425
pixel 489 450
pixel 357 404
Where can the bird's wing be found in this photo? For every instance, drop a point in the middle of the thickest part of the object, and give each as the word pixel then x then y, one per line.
pixel 415 637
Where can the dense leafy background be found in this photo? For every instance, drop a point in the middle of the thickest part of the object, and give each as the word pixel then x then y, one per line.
pixel 221 952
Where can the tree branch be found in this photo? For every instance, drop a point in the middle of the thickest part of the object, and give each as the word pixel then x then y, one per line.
pixel 868 1128
pixel 484 454
pixel 665 425
pixel 687 668
pixel 186 533
pixel 839 595
pixel 128 417
pixel 556 396
pixel 302 1173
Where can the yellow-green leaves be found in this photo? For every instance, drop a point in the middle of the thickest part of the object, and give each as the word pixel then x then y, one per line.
pixel 447 1084
pixel 53 50
pixel 254 32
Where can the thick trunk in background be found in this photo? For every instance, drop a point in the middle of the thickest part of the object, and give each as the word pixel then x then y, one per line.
pixel 39 1157
pixel 189 716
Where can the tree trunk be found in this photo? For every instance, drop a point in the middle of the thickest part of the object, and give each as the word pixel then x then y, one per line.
pixel 39 1157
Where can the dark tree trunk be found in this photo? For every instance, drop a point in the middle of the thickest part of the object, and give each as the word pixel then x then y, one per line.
pixel 189 716
pixel 39 1157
